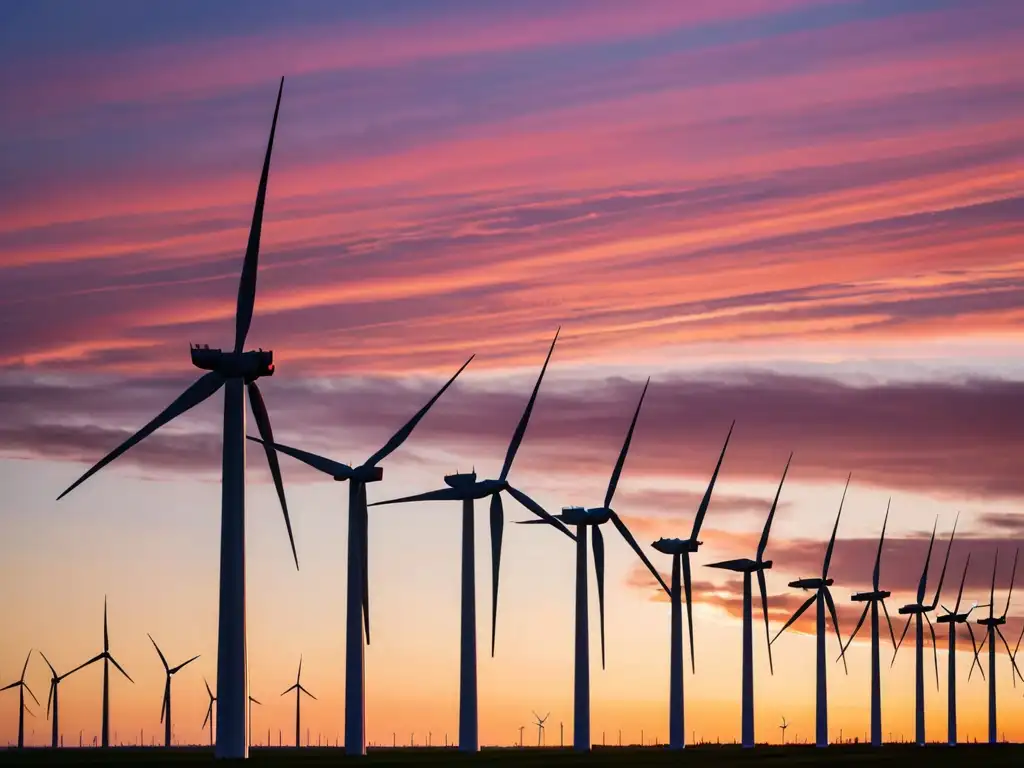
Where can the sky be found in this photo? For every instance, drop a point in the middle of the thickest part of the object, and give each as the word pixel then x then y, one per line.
pixel 801 215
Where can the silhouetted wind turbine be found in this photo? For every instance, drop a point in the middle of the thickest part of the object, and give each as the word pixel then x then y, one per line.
pixel 540 725
pixel 919 609
pixel 680 550
pixel 583 518
pixel 236 371
pixel 1013 658
pixel 258 703
pixel 107 660
pixel 299 690
pixel 783 727
pixel 822 597
pixel 953 618
pixel 872 600
pixel 357 610
pixel 992 624
pixel 165 707
pixel 22 686
pixel 746 566
pixel 466 488
pixel 209 710
pixel 51 697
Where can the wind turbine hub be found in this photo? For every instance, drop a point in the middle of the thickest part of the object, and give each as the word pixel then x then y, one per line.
pixel 250 365
pixel 598 515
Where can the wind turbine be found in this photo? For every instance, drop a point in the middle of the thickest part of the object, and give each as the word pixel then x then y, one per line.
pixel 822 597
pixel 235 371
pixel 747 567
pixel 107 660
pixel 299 690
pixel 22 686
pixel 258 703
pixel 583 518
pixel 954 617
pixel 919 609
pixel 872 600
pixel 165 708
pixel 783 727
pixel 51 698
pixel 209 710
pixel 540 725
pixel 466 488
pixel 357 611
pixel 680 550
pixel 992 624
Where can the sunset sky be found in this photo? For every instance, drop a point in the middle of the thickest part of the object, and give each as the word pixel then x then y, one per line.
pixel 804 215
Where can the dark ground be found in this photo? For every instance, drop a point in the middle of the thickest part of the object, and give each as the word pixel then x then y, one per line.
pixel 895 755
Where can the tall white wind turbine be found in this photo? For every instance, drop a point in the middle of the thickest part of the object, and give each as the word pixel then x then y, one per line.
pixel 169 672
pixel 822 598
pixel 872 600
pixel 107 660
pixel 747 567
pixel 584 518
pixel 357 610
pixel 954 617
pixel 680 549
pixel 299 690
pixel 916 611
pixel 22 686
pixel 992 624
pixel 466 488
pixel 236 371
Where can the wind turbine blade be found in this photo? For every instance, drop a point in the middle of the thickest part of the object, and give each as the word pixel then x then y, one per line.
pixel 878 556
pixel 106 636
pixel 902 636
pixel 208 691
pixel 184 664
pixel 702 510
pixel 935 649
pixel 999 632
pixel 167 695
pixel 298 677
pixel 54 671
pixel 327 466
pixel 763 543
pixel 15 684
pixel 255 701
pixel 992 593
pixel 259 412
pixel 960 593
pixel 209 714
pixel 1013 576
pixel 924 573
pixel 835 528
pixel 945 562
pixel 289 690
pixel 29 710
pixel 49 698
pixel 93 660
pixel 401 435
pixel 860 623
pixel 199 391
pixel 597 540
pixel 614 481
pixel 797 615
pixel 25 686
pixel 517 436
pixel 892 634
pixel 307 693
pixel 364 531
pixel 763 589
pixel 624 531
pixel 159 652
pixel 977 650
pixel 442 494
pixel 120 669
pixel 835 625
pixel 247 282
pixel 497 528
pixel 688 589
pixel 538 510
pixel 25 668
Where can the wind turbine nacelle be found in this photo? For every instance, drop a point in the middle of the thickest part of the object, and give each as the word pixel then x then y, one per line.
pixel 810 583
pixel 246 365
pixel 598 515
pixel 675 546
pixel 910 610
pixel 866 597
pixel 365 474
pixel 460 480
pixel 574 515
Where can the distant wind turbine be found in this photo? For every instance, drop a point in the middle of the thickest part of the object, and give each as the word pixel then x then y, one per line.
pixel 747 567
pixel 466 488
pixel 260 704
pixel 209 710
pixel 919 609
pixel 992 624
pixel 299 690
pixel 107 660
pixel 51 698
pixel 236 371
pixel 584 518
pixel 165 707
pixel 22 686
pixel 954 617
pixel 822 597
pixel 357 610
pixel 540 725
pixel 872 600
pixel 680 549
pixel 783 727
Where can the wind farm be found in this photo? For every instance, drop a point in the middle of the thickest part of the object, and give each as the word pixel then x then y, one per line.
pixel 777 248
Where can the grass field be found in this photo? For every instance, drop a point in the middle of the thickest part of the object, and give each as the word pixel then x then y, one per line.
pixel 896 755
